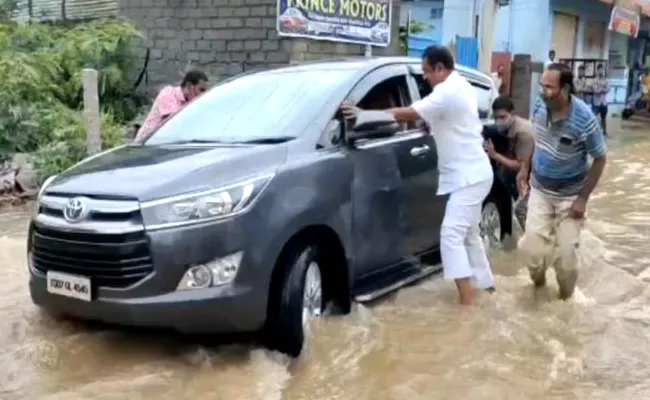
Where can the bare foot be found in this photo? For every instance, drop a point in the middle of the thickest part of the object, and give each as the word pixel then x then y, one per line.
pixel 465 291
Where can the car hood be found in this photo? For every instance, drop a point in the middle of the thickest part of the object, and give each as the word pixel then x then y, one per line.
pixel 153 172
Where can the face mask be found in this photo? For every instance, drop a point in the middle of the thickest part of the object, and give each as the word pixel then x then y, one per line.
pixel 503 127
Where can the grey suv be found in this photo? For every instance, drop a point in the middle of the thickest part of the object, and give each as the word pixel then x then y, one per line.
pixel 253 208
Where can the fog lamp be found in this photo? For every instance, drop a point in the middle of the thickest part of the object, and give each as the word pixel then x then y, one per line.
pixel 214 273
pixel 196 277
pixel 225 269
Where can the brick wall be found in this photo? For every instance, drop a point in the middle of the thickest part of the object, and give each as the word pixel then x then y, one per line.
pixel 224 37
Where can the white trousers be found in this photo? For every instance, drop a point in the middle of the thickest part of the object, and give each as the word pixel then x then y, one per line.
pixel 461 246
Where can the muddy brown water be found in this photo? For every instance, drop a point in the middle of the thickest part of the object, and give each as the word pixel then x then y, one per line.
pixel 416 344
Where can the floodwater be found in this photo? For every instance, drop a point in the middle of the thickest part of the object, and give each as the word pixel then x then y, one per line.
pixel 416 344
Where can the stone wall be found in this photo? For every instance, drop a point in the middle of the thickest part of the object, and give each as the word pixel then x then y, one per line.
pixel 224 37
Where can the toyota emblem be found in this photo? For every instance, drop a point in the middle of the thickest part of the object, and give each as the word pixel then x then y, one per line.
pixel 75 210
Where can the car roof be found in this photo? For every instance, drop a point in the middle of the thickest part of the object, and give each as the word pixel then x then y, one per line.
pixel 363 65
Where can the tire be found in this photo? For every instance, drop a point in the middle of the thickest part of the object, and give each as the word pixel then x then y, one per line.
pixel 626 114
pixel 491 225
pixel 302 282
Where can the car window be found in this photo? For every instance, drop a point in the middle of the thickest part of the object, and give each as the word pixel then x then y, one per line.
pixel 251 107
pixel 390 93
pixel 484 93
pixel 423 87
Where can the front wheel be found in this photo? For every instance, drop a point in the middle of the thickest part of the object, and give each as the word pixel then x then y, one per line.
pixel 490 225
pixel 300 300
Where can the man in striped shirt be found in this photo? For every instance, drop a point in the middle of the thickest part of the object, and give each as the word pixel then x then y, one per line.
pixel 560 178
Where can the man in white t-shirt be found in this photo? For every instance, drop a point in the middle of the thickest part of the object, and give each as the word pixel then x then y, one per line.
pixel 451 112
pixel 551 58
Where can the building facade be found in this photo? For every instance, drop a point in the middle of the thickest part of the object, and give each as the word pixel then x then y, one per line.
pixel 575 29
pixel 226 37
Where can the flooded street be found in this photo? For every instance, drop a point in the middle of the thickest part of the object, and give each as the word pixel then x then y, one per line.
pixel 416 344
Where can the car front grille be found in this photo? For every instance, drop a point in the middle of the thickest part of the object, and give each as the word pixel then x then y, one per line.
pixel 112 258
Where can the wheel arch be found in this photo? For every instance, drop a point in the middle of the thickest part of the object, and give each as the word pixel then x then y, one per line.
pixel 334 265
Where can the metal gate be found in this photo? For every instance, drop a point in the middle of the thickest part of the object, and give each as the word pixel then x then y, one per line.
pixel 418 43
pixel 467 51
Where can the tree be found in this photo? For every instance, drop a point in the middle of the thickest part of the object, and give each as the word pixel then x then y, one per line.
pixel 415 28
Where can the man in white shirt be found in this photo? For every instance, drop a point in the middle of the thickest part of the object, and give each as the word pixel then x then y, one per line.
pixel 451 112
pixel 551 59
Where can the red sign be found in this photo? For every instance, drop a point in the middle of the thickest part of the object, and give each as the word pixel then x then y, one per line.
pixel 624 21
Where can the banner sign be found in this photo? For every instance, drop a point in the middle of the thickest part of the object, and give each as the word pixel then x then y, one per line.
pixel 624 21
pixel 352 21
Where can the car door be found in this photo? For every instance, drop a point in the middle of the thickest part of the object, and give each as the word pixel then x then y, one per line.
pixel 387 178
pixel 422 160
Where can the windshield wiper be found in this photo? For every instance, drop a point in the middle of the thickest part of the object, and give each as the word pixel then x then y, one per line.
pixel 267 140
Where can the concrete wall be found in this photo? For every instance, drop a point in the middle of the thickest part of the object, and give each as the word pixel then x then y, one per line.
pixel 458 19
pixel 524 27
pixel 224 37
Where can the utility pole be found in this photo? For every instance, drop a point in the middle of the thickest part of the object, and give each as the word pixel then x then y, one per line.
pixel 486 35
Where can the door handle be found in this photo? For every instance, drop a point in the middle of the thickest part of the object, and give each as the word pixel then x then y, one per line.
pixel 419 151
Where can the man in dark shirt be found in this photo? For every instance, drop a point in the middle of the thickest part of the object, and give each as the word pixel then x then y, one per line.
pixel 521 141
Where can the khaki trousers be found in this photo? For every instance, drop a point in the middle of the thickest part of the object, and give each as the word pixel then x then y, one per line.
pixel 552 238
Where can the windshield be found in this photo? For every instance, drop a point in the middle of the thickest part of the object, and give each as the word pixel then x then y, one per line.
pixel 253 108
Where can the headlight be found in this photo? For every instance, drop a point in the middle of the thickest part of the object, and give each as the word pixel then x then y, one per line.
pixel 203 206
pixel 44 186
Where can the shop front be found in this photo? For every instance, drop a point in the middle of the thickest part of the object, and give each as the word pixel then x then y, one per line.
pixel 593 32
pixel 626 51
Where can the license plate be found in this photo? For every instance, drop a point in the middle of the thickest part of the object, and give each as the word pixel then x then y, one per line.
pixel 67 285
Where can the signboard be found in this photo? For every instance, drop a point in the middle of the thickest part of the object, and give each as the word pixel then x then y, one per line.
pixel 624 21
pixel 351 21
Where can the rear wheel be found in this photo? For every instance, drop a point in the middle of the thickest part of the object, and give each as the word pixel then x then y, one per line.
pixel 626 114
pixel 490 225
pixel 301 300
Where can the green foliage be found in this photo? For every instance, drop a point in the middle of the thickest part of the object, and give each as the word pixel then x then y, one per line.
pixel 68 143
pixel 42 92
pixel 415 28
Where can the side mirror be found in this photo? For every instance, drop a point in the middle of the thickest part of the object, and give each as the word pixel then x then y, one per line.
pixel 483 114
pixel 373 125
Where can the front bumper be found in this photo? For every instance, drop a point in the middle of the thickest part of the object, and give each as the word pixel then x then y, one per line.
pixel 240 306
pixel 214 310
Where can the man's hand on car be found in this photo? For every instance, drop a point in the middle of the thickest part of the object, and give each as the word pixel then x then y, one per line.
pixel 349 110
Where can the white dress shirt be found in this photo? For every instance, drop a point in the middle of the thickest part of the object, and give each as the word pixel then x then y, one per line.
pixel 451 112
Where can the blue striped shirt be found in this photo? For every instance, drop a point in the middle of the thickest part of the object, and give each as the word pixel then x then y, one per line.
pixel 560 163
